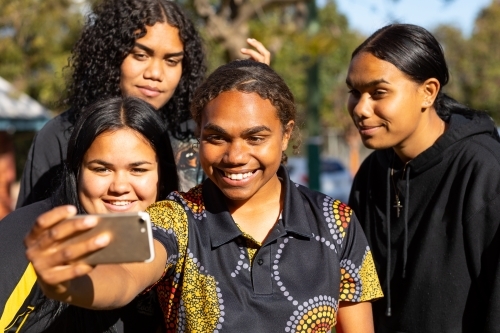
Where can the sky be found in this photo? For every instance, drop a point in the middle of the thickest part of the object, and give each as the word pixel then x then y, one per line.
pixel 366 16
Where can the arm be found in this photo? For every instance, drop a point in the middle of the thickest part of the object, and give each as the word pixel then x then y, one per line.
pixel 354 318
pixel 99 287
pixel 261 54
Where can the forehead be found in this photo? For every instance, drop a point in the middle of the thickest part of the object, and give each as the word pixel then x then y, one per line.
pixel 240 109
pixel 119 143
pixel 162 36
pixel 365 68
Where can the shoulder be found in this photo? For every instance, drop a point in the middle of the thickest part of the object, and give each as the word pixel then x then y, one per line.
pixel 58 128
pixel 24 217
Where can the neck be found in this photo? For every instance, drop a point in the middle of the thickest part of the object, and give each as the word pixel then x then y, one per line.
pixel 422 138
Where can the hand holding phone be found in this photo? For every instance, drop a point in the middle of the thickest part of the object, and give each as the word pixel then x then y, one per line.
pixel 130 235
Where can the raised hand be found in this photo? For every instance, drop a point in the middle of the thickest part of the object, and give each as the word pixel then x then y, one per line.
pixel 52 258
pixel 260 54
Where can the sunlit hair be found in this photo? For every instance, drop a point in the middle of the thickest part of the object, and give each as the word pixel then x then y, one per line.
pixel 246 76
pixel 416 52
pixel 111 115
pixel 109 35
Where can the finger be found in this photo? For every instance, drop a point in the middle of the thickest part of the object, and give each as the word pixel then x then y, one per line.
pixel 65 229
pixel 254 55
pixel 48 219
pixel 264 54
pixel 64 253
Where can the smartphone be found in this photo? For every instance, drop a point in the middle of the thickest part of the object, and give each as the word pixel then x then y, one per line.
pixel 131 238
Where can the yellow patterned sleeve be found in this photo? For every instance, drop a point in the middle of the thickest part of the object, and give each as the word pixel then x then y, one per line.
pixel 371 289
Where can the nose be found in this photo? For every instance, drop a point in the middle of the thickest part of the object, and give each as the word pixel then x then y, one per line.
pixel 120 184
pixel 236 153
pixel 154 70
pixel 360 107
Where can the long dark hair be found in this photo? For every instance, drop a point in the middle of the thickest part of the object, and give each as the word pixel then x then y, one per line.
pixel 251 77
pixel 107 38
pixel 416 52
pixel 113 114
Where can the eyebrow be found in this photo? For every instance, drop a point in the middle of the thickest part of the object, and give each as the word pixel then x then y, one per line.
pixel 368 84
pixel 107 164
pixel 151 51
pixel 248 131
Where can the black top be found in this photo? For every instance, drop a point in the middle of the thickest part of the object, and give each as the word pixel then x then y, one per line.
pixel 445 245
pixel 24 308
pixel 221 280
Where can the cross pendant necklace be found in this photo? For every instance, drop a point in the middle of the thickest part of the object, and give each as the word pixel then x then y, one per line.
pixel 397 205
pixel 397 202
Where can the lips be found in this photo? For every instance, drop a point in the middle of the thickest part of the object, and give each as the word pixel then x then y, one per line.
pixel 368 130
pixel 149 91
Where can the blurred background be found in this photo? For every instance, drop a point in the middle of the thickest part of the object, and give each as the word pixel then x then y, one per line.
pixel 310 42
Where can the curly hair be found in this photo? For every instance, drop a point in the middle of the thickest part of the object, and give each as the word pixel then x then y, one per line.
pixel 247 76
pixel 109 35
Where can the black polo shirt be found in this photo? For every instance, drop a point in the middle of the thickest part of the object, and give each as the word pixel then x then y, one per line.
pixel 220 280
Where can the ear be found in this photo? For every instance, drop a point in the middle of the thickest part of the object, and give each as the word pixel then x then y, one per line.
pixel 430 89
pixel 287 134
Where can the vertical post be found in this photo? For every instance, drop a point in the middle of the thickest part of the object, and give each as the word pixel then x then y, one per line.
pixel 313 102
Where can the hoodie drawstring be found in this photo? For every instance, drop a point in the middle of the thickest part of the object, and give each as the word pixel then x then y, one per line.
pixel 388 268
pixel 407 204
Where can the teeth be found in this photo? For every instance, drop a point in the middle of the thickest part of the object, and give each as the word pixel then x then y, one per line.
pixel 237 176
pixel 120 203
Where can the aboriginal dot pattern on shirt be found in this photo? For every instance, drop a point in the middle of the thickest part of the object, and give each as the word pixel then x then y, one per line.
pixel 194 299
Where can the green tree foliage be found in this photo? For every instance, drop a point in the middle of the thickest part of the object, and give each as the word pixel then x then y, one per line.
pixel 36 37
pixel 474 62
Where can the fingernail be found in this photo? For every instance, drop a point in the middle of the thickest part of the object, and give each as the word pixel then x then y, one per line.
pixel 71 209
pixel 102 240
pixel 89 221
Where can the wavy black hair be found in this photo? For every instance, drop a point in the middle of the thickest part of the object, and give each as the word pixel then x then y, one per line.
pixel 110 115
pixel 109 35
pixel 247 76
pixel 416 52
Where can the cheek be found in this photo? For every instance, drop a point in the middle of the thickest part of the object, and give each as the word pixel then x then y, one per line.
pixel 90 187
pixel 146 188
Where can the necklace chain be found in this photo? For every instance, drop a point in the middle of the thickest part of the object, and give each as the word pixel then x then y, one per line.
pixel 397 202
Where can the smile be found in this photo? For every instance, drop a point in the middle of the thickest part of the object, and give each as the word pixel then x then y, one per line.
pixel 120 203
pixel 237 176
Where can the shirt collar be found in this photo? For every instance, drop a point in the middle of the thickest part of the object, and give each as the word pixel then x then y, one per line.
pixel 222 228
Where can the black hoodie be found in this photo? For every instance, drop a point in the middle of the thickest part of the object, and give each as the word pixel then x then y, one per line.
pixel 442 265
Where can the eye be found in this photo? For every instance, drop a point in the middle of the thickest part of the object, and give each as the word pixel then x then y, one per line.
pixel 378 93
pixel 255 140
pixel 173 61
pixel 100 170
pixel 354 93
pixel 214 138
pixel 139 55
pixel 139 170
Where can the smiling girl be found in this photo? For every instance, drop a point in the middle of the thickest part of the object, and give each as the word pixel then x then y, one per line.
pixel 119 160
pixel 246 251
pixel 428 197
